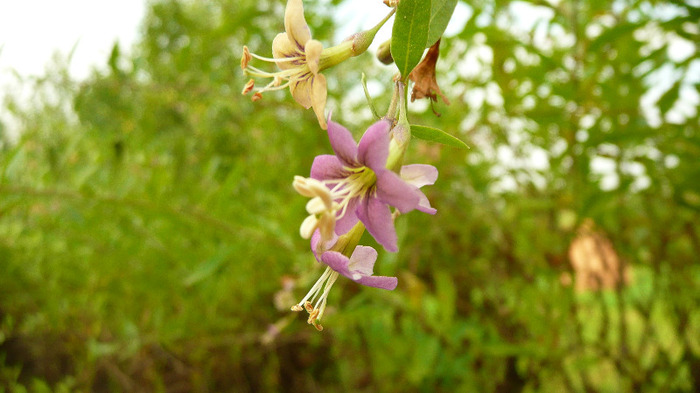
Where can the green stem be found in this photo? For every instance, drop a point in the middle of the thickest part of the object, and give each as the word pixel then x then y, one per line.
pixel 393 106
pixel 401 132
pixel 369 98
pixel 347 243
pixel 362 41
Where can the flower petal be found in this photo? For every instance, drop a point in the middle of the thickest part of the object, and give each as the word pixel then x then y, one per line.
pixel 345 223
pixel 337 262
pixel 301 89
pixel 316 239
pixel 373 148
pixel 343 144
pixel 381 282
pixel 362 260
pixel 377 218
pixel 313 50
pixel 308 226
pixel 424 205
pixel 282 47
pixel 393 191
pixel 340 262
pixel 419 175
pixel 327 167
pixel 295 24
pixel 318 99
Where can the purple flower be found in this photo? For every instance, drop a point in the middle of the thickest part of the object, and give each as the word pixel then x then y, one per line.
pixel 359 268
pixel 362 185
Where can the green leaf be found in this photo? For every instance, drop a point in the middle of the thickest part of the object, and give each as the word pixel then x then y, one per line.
pixel 669 98
pixel 435 135
pixel 440 15
pixel 410 34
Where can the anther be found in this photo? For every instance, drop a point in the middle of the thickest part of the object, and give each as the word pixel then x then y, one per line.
pixel 248 87
pixel 245 59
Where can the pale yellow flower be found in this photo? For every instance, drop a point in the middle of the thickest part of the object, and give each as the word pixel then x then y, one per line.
pixel 301 60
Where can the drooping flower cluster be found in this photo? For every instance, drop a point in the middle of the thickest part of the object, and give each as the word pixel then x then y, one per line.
pixel 352 186
pixel 362 185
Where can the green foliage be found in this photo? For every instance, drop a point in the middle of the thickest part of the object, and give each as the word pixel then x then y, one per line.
pixel 440 14
pixel 435 135
pixel 409 34
pixel 148 223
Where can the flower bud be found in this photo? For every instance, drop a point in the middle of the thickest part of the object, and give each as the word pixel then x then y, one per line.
pixel 384 53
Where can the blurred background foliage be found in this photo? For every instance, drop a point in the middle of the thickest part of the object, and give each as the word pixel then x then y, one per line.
pixel 149 231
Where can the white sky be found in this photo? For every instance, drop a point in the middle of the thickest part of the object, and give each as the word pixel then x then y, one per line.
pixel 32 30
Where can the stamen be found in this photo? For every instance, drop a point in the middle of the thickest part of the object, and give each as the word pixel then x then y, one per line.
pixel 248 87
pixel 245 59
pixel 359 182
pixel 323 287
pixel 316 288
pixel 274 60
pixel 312 317
pixel 256 97
pixel 324 297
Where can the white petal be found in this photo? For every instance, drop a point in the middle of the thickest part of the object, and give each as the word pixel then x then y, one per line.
pixel 315 206
pixel 308 226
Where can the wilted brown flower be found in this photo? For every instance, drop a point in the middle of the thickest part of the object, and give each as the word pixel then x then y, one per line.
pixel 423 77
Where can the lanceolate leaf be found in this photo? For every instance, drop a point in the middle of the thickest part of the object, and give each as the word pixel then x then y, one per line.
pixel 441 12
pixel 435 135
pixel 410 34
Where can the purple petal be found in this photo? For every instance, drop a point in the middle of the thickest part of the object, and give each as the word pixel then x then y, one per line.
pixel 377 218
pixel 327 167
pixel 342 143
pixel 373 149
pixel 362 260
pixel 316 238
pixel 393 191
pixel 345 223
pixel 340 263
pixel 381 282
pixel 336 261
pixel 424 205
pixel 419 175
